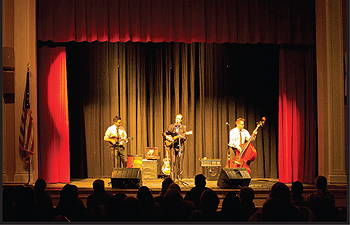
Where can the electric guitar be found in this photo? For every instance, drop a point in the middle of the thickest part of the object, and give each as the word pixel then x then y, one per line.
pixel 169 140
pixel 118 141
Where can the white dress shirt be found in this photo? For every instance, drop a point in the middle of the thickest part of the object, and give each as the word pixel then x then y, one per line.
pixel 235 137
pixel 112 132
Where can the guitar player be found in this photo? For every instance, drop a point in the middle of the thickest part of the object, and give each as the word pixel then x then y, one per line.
pixel 117 137
pixel 174 138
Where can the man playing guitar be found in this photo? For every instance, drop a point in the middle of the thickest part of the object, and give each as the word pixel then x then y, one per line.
pixel 174 138
pixel 117 137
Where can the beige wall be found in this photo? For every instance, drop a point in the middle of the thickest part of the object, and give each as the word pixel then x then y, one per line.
pixel 19 33
pixel 332 160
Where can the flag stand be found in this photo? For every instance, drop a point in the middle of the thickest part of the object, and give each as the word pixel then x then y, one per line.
pixel 28 183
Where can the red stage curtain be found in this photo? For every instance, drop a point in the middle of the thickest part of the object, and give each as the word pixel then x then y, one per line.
pixel 53 115
pixel 233 21
pixel 297 142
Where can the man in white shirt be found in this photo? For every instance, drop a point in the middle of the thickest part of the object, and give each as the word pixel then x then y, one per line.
pixel 117 137
pixel 238 136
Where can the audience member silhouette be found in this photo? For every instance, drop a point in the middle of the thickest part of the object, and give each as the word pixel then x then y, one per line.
pixel 165 185
pixel 209 202
pixel 195 193
pixel 297 191
pixel 299 201
pixel 99 196
pixel 131 210
pixel 246 197
pixel 97 201
pixel 150 208
pixel 283 205
pixel 322 202
pixel 70 205
pixel 114 209
pixel 278 206
pixel 8 204
pixel 231 209
pixel 175 207
pixel 25 209
pixel 42 199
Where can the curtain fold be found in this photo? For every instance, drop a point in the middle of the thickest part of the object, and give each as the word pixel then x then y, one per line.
pixel 220 21
pixel 54 148
pixel 297 145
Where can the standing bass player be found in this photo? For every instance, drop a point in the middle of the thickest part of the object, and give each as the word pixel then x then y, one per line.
pixel 241 143
pixel 238 136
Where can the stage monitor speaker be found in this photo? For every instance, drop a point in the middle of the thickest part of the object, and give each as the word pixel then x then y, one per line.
pixel 233 178
pixel 126 178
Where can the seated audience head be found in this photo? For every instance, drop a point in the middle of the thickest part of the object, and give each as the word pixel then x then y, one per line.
pixel 200 180
pixel 209 201
pixel 69 193
pixel 165 184
pixel 144 194
pixel 172 198
pixel 174 186
pixel 297 187
pixel 131 209
pixel 8 195
pixel 231 202
pixel 321 182
pixel 40 185
pixel 275 210
pixel 280 191
pixel 99 186
pixel 246 194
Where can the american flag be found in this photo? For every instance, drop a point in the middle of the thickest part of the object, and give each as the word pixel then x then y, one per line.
pixel 26 137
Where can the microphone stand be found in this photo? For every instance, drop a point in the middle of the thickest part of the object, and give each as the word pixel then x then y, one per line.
pixel 180 152
pixel 228 150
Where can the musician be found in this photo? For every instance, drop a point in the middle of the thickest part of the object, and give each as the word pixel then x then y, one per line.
pixel 238 136
pixel 175 146
pixel 117 137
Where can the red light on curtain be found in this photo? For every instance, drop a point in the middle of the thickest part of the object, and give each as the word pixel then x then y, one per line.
pixel 54 165
pixel 291 118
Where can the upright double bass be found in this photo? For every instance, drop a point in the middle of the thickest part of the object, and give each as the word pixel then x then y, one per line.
pixel 248 153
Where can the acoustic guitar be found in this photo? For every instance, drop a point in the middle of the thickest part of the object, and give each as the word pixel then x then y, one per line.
pixel 170 140
pixel 118 141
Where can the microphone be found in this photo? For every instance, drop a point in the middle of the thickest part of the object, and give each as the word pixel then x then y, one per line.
pixel 227 124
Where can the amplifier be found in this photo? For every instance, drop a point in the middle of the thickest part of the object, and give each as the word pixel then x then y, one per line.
pixel 210 162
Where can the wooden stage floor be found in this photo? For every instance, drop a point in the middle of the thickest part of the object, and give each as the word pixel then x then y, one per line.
pixel 156 185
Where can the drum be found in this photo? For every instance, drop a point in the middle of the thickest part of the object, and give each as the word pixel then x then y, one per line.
pixel 134 161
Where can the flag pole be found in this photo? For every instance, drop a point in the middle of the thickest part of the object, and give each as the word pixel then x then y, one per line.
pixel 28 183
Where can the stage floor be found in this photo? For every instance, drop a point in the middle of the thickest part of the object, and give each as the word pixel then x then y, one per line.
pixel 156 185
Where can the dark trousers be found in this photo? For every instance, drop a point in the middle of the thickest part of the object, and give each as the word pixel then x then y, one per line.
pixel 120 159
pixel 176 163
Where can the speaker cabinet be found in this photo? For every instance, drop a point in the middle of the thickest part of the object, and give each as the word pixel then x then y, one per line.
pixel 126 178
pixel 233 178
pixel 149 169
